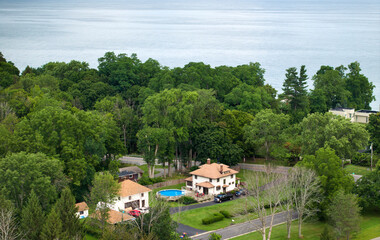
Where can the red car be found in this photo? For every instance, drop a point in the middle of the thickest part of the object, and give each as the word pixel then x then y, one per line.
pixel 134 213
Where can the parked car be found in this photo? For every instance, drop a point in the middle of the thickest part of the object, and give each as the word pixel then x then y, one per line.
pixel 223 197
pixel 241 192
pixel 134 213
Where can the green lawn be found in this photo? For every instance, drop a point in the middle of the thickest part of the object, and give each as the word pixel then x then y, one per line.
pixel 359 170
pixel 194 217
pixel 311 231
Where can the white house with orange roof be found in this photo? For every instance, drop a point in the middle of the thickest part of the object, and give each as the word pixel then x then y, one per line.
pixel 82 210
pixel 212 178
pixel 131 196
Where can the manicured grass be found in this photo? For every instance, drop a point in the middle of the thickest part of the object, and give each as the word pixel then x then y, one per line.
pixel 311 231
pixel 359 170
pixel 194 217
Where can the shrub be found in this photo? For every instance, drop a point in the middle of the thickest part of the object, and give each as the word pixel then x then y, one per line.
pixel 92 227
pixel 187 200
pixel 214 236
pixel 361 159
pixel 226 214
pixel 216 217
pixel 149 181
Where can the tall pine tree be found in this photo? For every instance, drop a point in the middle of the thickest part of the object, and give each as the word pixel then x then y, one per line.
pixel 52 228
pixel 66 210
pixel 32 218
pixel 295 91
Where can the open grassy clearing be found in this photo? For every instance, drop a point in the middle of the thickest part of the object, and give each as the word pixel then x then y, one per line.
pixel 312 230
pixel 358 170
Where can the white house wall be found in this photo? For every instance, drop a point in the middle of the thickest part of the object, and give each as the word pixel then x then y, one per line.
pixel 229 181
pixel 119 204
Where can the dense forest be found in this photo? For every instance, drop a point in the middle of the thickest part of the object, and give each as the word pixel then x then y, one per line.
pixel 61 123
pixel 83 119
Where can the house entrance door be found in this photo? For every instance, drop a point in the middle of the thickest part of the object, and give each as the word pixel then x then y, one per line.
pixel 205 191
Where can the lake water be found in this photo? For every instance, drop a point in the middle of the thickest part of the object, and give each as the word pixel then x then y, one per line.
pixel 277 33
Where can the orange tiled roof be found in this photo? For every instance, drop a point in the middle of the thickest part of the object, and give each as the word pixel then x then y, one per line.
pixel 116 217
pixel 189 179
pixel 113 216
pixel 205 184
pixel 82 206
pixel 128 188
pixel 213 171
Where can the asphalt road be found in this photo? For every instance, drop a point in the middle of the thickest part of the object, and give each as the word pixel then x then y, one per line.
pixel 243 228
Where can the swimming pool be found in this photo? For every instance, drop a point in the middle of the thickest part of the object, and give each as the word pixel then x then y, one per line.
pixel 171 193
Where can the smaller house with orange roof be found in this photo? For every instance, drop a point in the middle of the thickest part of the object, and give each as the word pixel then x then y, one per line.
pixel 82 210
pixel 212 178
pixel 131 196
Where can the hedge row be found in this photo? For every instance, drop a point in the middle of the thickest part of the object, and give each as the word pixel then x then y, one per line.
pixel 216 217
pixel 226 214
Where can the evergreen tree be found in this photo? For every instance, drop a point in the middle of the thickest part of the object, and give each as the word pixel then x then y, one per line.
pixel 66 210
pixel 52 228
pixel 344 214
pixel 32 218
pixel 295 90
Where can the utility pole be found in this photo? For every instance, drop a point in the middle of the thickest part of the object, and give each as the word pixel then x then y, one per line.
pixel 371 154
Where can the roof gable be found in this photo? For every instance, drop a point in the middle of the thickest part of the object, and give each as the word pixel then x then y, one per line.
pixel 128 188
pixel 214 170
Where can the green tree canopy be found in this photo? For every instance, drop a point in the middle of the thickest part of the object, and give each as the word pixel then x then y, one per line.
pixel 328 167
pixel 319 130
pixel 266 129
pixel 360 87
pixel 344 214
pixel 20 173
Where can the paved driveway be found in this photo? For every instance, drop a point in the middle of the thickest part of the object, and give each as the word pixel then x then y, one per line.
pixel 243 228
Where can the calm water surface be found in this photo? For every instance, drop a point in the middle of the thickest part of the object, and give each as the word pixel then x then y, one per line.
pixel 278 34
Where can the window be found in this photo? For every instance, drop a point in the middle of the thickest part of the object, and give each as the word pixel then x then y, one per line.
pixel 118 198
pixel 217 188
pixel 130 198
pixel 195 177
pixel 233 182
pixel 189 183
pixel 224 181
pixel 81 212
pixel 143 203
pixel 130 176
pixel 210 180
pixel 218 180
pixel 142 194
pixel 232 176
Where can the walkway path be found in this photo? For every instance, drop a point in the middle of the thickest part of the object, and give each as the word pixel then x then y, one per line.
pixel 243 228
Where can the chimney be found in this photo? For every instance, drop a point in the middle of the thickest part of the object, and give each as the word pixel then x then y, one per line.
pixel 221 168
pixel 208 161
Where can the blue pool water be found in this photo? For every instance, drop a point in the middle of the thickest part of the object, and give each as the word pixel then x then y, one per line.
pixel 171 193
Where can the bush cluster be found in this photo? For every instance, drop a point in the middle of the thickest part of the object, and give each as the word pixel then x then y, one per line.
pixel 149 181
pixel 187 200
pixel 226 214
pixel 361 159
pixel 216 217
